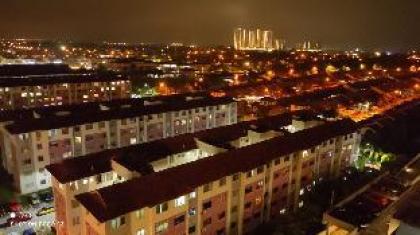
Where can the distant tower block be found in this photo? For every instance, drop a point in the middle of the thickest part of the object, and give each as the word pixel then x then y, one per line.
pixel 257 40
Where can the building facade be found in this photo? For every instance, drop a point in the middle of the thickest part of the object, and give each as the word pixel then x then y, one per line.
pixel 30 144
pixel 27 92
pixel 208 189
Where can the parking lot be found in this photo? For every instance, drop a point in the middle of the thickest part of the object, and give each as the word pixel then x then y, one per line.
pixel 37 214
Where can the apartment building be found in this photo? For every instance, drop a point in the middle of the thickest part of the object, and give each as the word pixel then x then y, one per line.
pixel 23 86
pixel 47 135
pixel 203 183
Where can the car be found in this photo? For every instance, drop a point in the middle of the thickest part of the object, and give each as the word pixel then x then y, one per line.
pixel 34 199
pixel 16 218
pixel 29 231
pixel 15 207
pixel 45 211
pixel 4 210
pixel 46 197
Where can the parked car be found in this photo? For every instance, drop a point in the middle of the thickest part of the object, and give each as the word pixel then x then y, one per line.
pixel 15 207
pixel 17 218
pixel 29 231
pixel 34 199
pixel 45 211
pixel 46 197
pixel 4 210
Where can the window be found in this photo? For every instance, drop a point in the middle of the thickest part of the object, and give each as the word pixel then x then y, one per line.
pixel 141 232
pixel 277 161
pixel 207 205
pixel 76 220
pixel 118 222
pixel 39 146
pixel 235 177
pixel 65 131
pixel 179 220
pixel 220 231
pixel 140 214
pixel 222 181
pixel 89 126
pixel 27 161
pixel 193 194
pixel 207 187
pixel 43 182
pixel 52 133
pixel 74 204
pixel 161 208
pixel 161 227
pixel 40 158
pixel 258 200
pixel 250 173
pixel 191 229
pixel 260 170
pixel 99 179
pixel 101 124
pixel 248 189
pixel 38 135
pixel 180 201
pixel 192 211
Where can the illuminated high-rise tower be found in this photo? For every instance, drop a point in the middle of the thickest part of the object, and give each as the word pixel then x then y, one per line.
pixel 237 36
pixel 259 40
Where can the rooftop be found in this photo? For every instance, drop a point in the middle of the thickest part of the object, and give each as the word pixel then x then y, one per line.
pixel 47 74
pixel 139 156
pixel 48 118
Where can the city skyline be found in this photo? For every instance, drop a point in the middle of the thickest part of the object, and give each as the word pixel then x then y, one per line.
pixel 336 25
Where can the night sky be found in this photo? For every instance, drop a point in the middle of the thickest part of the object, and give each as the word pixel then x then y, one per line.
pixel 373 24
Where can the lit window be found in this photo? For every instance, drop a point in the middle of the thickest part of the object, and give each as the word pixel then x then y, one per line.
pixel 180 201
pixel 141 232
pixel 118 222
pixel 161 227
pixel 161 208
pixel 140 214
pixel 207 187
pixel 193 194
pixel 301 192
